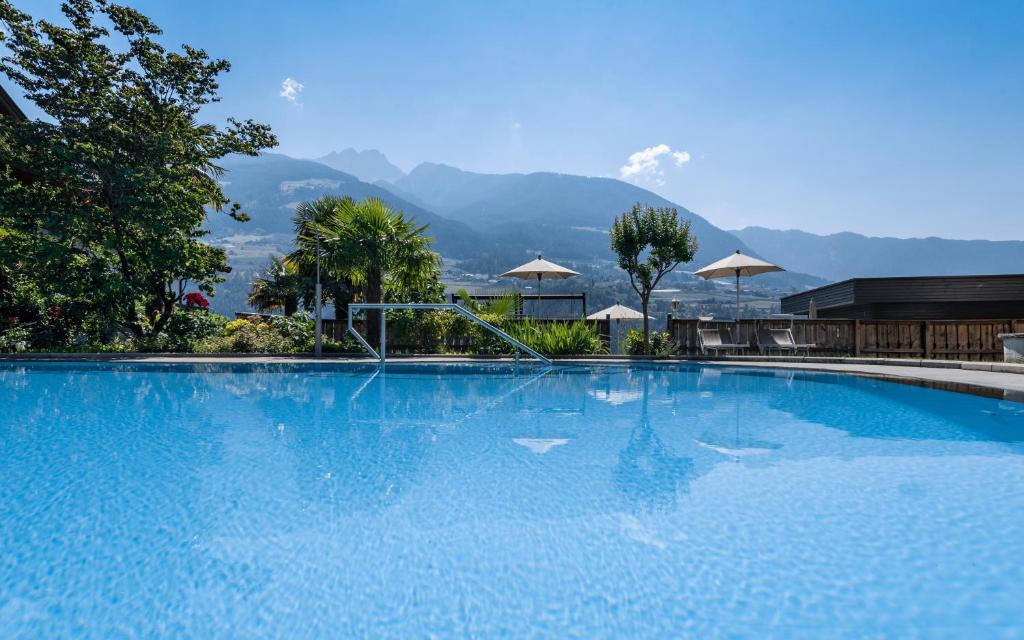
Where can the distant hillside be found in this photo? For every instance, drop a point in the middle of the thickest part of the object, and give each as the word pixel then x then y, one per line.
pixel 846 255
pixel 561 215
pixel 368 165
pixel 269 187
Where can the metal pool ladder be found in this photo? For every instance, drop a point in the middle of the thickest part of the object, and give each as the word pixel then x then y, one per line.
pixel 384 306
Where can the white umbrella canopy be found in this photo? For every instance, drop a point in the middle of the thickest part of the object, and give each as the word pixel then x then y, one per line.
pixel 618 312
pixel 737 265
pixel 540 269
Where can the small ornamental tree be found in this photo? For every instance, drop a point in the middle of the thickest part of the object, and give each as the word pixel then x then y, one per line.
pixel 650 243
pixel 122 168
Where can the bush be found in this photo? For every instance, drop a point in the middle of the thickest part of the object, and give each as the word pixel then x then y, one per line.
pixel 661 343
pixel 567 339
pixel 15 337
pixel 413 331
pixel 187 328
pixel 347 344
pixel 278 334
pixel 575 338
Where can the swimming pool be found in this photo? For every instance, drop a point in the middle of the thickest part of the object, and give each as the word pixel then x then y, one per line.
pixel 313 501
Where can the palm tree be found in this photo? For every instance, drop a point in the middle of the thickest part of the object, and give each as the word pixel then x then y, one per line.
pixel 279 286
pixel 369 244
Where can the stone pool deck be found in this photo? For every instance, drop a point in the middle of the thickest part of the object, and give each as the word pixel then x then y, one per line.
pixel 990 378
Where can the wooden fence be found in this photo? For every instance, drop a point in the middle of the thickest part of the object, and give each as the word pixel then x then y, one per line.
pixel 929 339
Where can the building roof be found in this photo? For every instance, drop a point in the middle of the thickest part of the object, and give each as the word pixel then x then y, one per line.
pixel 8 107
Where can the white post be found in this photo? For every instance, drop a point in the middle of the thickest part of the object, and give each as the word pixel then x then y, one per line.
pixel 318 327
pixel 383 335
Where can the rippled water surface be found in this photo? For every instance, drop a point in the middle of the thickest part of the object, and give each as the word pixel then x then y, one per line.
pixel 316 502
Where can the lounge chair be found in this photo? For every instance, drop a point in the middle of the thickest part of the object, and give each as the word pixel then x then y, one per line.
pixel 769 340
pixel 715 340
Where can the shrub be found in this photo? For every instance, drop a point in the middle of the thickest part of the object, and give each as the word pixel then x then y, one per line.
pixel 14 338
pixel 347 344
pixel 661 343
pixel 415 331
pixel 187 328
pixel 568 339
pixel 556 338
pixel 234 325
pixel 278 334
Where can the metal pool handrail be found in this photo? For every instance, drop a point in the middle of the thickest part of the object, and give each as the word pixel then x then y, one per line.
pixel 383 306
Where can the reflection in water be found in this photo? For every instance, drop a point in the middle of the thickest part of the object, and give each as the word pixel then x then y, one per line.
pixel 736 440
pixel 540 446
pixel 647 471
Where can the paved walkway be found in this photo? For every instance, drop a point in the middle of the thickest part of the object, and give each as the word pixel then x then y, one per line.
pixel 1012 384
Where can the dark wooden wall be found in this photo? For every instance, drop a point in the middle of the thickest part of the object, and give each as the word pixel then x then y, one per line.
pixel 924 298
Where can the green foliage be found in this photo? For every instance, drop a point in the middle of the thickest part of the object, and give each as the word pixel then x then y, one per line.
pixel 122 171
pixel 278 334
pixel 370 245
pixel 549 338
pixel 414 331
pixel 576 338
pixel 14 337
pixel 280 287
pixel 187 329
pixel 660 343
pixel 506 305
pixel 650 243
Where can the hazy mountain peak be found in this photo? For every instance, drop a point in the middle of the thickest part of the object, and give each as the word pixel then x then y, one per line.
pixel 838 256
pixel 369 165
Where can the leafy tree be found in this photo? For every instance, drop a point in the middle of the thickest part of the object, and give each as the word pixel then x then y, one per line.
pixel 281 285
pixel 381 252
pixel 122 171
pixel 650 243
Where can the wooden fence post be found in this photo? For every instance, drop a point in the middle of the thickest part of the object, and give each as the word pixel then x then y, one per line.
pixel 858 338
pixel 929 335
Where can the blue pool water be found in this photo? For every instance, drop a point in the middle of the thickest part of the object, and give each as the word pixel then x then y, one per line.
pixel 244 501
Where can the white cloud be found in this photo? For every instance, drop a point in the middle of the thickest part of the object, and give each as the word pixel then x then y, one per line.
pixel 645 165
pixel 290 90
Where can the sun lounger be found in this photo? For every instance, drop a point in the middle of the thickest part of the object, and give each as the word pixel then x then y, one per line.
pixel 715 340
pixel 781 340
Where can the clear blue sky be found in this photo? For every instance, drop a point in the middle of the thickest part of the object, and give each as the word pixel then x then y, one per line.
pixel 888 118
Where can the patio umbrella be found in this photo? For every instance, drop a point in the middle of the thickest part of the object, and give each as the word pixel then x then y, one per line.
pixel 736 265
pixel 617 312
pixel 540 269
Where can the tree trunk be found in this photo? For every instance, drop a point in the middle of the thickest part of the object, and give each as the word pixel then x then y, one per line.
pixel 644 302
pixel 291 305
pixel 373 293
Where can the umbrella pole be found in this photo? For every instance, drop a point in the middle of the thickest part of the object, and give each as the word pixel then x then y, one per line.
pixel 737 298
pixel 539 301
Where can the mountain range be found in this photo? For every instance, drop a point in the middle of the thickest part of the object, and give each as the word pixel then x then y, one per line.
pixel 840 256
pixel 487 223
pixel 369 165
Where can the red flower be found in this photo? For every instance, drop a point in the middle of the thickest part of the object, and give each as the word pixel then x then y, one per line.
pixel 12 320
pixel 196 299
pixel 54 312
